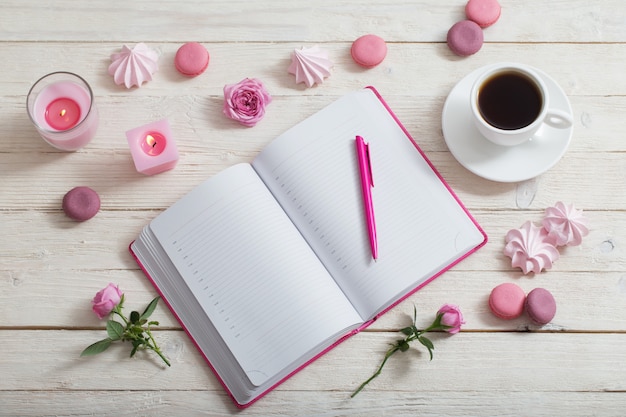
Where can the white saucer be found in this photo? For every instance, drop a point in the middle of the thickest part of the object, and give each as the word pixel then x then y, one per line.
pixel 502 163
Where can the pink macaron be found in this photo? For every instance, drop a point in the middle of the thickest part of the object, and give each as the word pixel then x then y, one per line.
pixel 506 301
pixel 369 50
pixel 81 203
pixel 191 59
pixel 484 12
pixel 465 38
pixel 540 306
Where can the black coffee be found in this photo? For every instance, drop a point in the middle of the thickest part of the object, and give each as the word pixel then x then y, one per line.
pixel 509 100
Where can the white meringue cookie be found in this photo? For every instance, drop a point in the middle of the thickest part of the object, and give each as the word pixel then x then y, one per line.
pixel 566 224
pixel 531 248
pixel 310 65
pixel 134 66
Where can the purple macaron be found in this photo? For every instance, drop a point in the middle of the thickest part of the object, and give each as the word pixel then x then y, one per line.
pixel 540 306
pixel 465 38
pixel 81 203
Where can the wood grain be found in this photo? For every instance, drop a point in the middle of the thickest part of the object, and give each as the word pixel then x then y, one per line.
pixel 50 266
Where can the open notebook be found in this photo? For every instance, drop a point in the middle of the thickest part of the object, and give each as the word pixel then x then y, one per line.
pixel 268 265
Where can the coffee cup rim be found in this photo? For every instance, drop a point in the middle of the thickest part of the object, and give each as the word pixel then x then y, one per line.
pixel 513 67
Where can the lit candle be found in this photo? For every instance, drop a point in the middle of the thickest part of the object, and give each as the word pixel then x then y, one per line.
pixel 61 106
pixel 62 113
pixel 152 147
pixel 153 143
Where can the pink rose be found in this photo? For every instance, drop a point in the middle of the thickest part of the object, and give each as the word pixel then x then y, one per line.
pixel 106 300
pixel 451 316
pixel 245 101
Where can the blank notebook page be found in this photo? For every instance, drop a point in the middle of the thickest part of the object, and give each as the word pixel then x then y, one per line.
pixel 312 171
pixel 253 274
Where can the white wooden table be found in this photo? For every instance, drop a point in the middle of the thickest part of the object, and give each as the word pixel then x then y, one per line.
pixel 51 266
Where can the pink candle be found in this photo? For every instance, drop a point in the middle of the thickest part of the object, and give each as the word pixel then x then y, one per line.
pixel 62 113
pixel 153 143
pixel 62 108
pixel 152 147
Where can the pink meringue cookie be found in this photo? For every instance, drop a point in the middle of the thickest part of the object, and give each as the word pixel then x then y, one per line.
pixel 531 248
pixel 310 65
pixel 133 66
pixel 566 224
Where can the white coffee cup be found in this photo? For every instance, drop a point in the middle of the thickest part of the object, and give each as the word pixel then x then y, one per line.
pixel 510 102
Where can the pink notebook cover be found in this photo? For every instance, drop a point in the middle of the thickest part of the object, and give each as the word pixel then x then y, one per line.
pixel 366 324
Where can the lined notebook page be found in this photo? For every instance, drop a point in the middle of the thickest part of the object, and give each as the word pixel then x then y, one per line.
pixel 258 281
pixel 313 172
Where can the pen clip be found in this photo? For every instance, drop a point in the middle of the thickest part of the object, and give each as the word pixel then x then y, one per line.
pixel 369 163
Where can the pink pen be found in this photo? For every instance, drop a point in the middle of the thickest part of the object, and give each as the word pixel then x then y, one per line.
pixel 367 182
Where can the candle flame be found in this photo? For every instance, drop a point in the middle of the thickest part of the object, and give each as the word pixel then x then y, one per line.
pixel 151 140
pixel 152 143
pixel 62 113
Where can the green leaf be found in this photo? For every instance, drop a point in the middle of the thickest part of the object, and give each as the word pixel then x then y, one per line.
pixel 403 346
pixel 120 305
pixel 429 345
pixel 134 317
pixel 150 309
pixel 407 331
pixel 98 347
pixel 437 323
pixel 115 330
pixel 426 342
pixel 136 345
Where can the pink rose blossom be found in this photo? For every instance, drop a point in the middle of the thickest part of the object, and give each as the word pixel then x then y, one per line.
pixel 106 300
pixel 451 317
pixel 245 101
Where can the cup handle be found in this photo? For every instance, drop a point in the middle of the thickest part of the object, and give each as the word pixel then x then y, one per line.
pixel 558 118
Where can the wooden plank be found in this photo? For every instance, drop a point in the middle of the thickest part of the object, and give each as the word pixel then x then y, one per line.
pixel 404 72
pixel 579 178
pixel 52 242
pixel 322 21
pixel 201 129
pixel 492 361
pixel 421 402
pixel 582 297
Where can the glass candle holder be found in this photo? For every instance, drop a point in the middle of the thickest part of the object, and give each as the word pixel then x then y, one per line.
pixel 62 108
